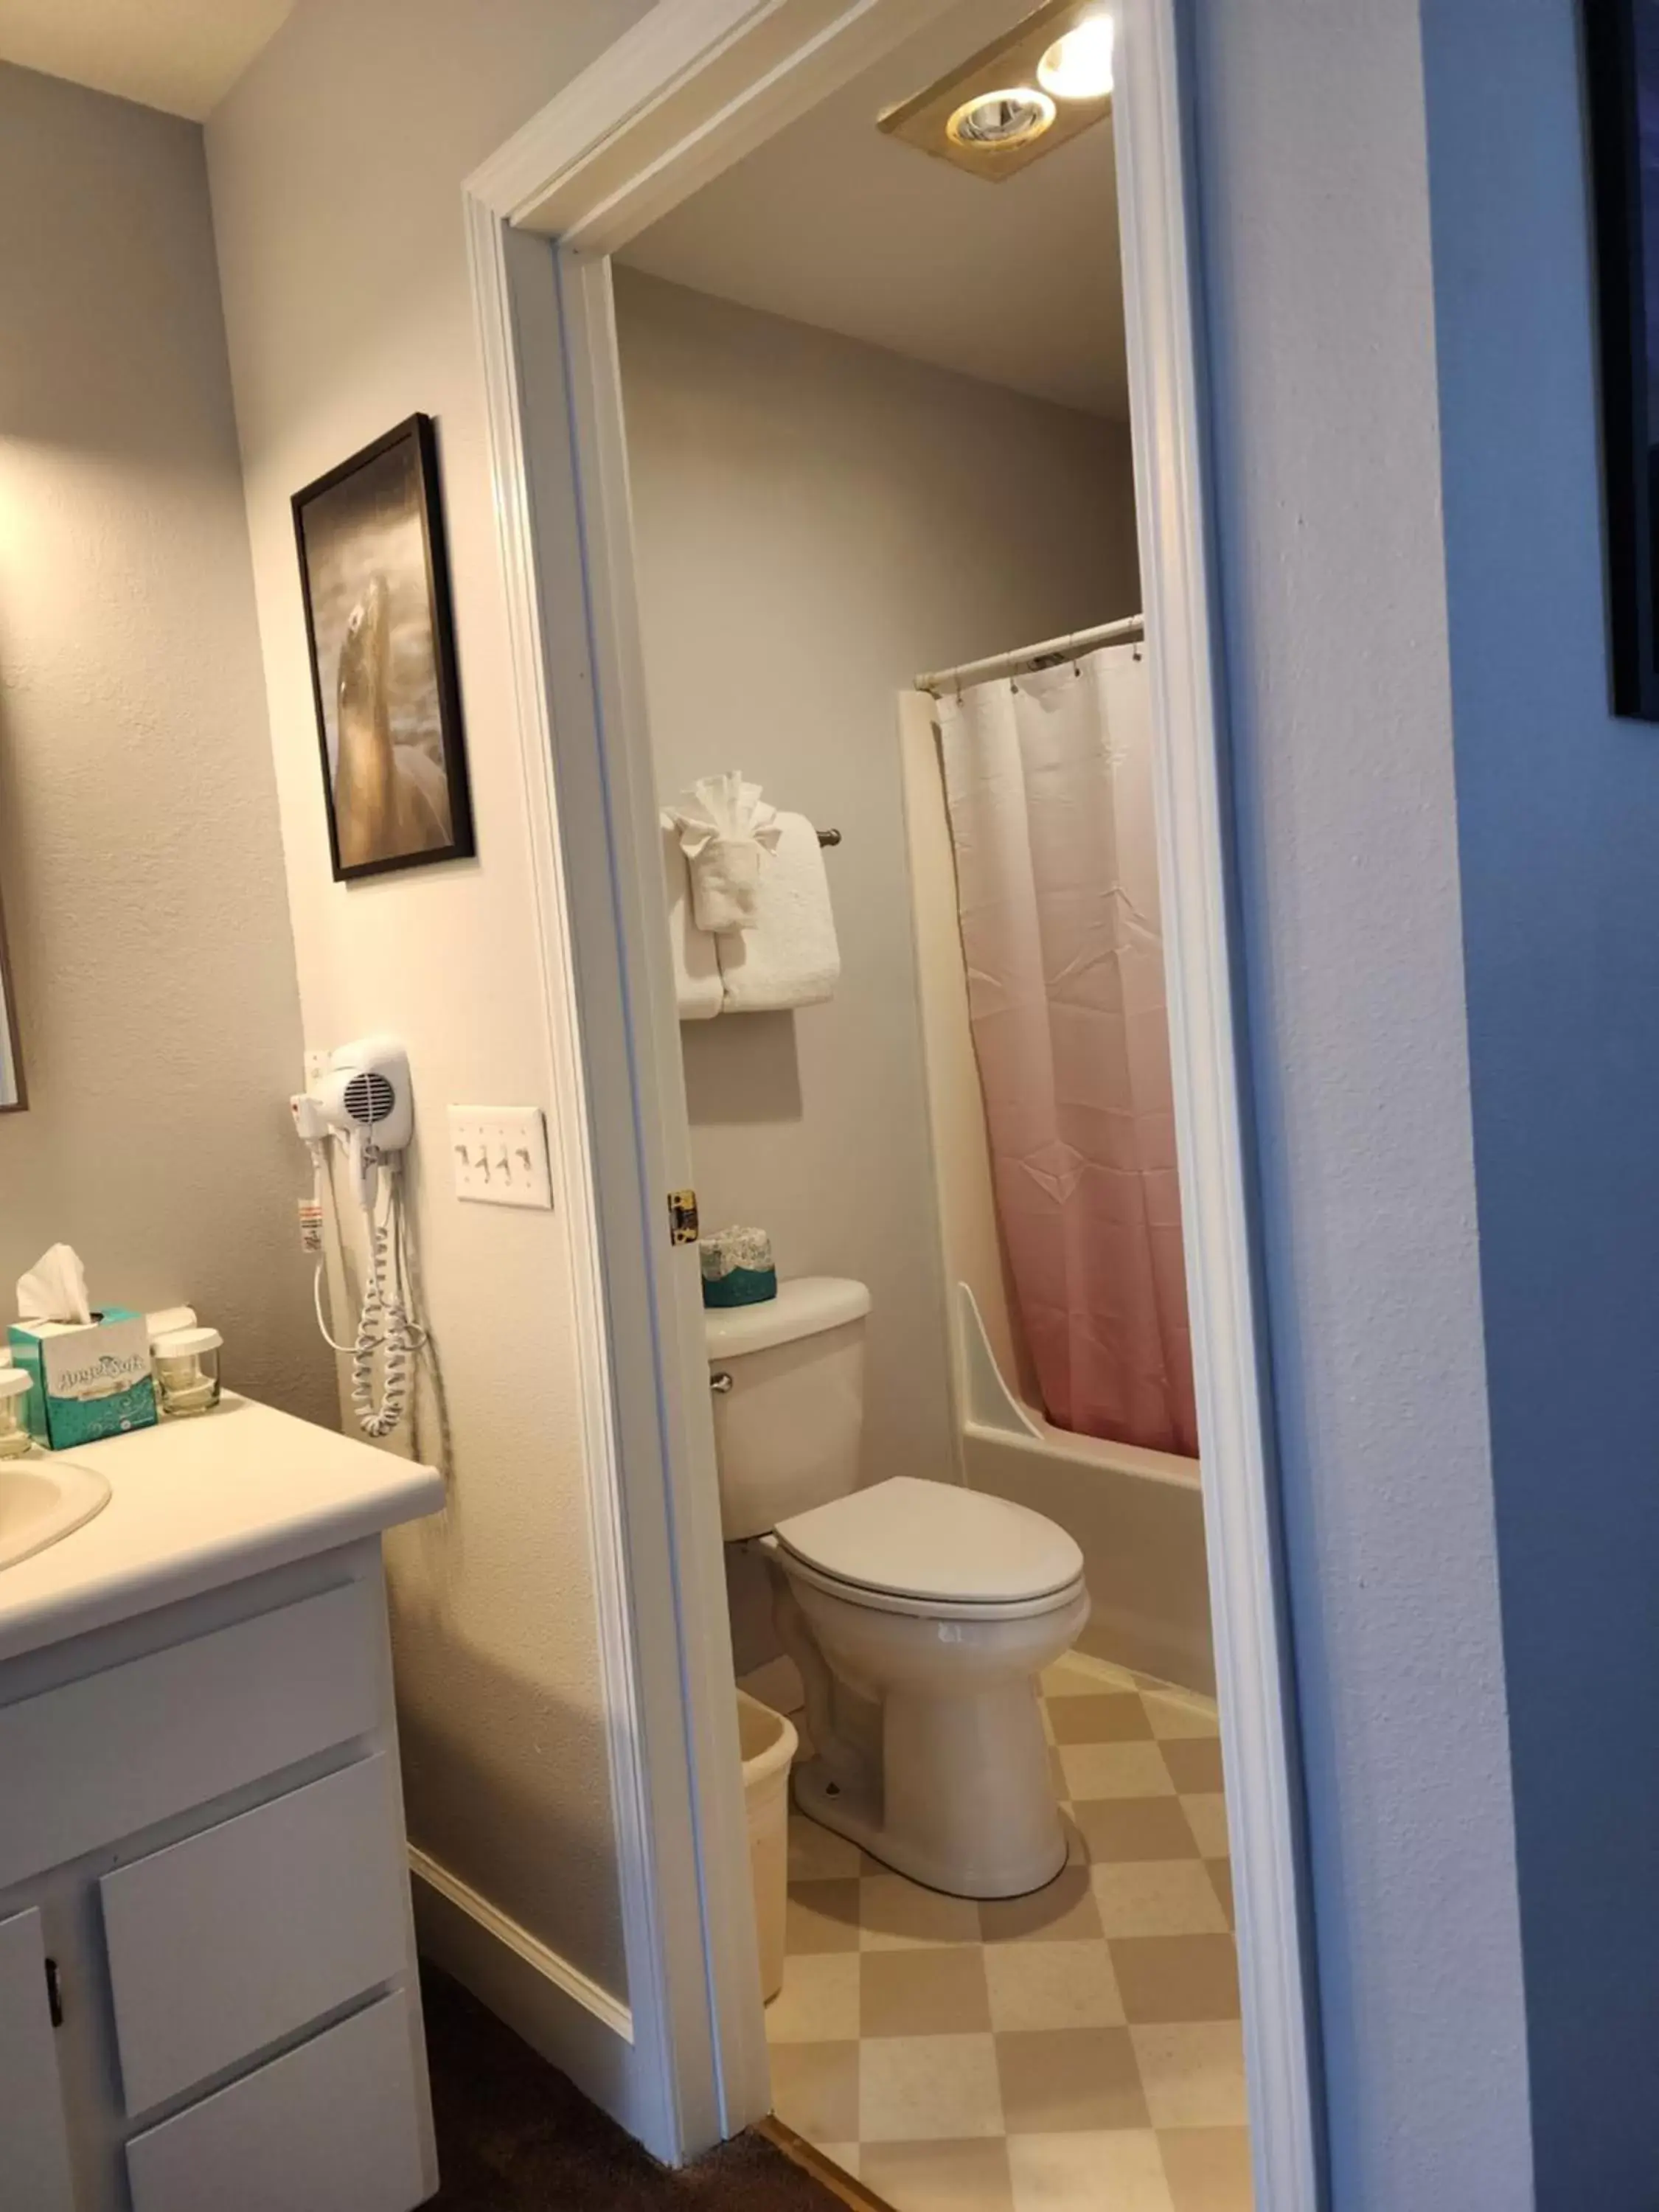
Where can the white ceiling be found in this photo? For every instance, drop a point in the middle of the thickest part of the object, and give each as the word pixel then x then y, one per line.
pixel 180 55
pixel 835 224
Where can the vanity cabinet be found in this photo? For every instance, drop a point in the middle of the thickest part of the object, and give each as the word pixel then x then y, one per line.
pixel 201 1829
pixel 34 2166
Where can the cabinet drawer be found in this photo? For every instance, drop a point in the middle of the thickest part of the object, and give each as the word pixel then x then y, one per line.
pixel 335 2126
pixel 224 1944
pixel 102 1757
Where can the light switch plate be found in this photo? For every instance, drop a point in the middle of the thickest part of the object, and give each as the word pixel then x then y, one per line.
pixel 499 1155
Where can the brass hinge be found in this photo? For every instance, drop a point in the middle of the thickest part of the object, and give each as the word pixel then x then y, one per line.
pixel 682 1222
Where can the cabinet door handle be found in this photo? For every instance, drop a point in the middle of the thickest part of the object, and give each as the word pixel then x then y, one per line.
pixel 54 1993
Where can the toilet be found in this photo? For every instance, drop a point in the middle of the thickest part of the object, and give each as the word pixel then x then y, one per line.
pixel 919 1614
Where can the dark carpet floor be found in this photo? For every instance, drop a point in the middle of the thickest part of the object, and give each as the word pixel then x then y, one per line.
pixel 514 2136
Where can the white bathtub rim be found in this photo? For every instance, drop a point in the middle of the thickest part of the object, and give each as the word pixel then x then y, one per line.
pixel 993 1414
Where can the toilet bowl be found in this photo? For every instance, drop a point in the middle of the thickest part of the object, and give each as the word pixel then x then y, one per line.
pixel 919 1614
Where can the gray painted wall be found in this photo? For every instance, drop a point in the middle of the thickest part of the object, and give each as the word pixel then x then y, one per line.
pixel 811 527
pixel 337 165
pixel 138 845
pixel 1315 204
pixel 1559 826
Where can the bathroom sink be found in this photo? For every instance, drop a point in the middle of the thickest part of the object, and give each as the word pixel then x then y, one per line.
pixel 42 1499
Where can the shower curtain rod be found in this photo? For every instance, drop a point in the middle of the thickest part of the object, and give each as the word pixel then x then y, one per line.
pixel 1053 649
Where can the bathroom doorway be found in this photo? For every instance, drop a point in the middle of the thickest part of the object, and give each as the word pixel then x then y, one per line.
pixel 753 509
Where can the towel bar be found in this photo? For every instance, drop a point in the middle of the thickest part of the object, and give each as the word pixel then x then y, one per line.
pixel 829 836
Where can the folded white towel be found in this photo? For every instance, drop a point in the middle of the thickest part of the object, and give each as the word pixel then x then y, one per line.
pixel 790 956
pixel 696 970
pixel 726 828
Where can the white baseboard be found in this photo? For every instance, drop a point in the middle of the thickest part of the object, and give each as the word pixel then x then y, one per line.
pixel 575 2024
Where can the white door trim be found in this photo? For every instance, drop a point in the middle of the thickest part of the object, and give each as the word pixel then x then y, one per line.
pixel 693 86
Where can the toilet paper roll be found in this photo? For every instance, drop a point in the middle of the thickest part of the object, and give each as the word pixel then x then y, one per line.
pixel 738 1268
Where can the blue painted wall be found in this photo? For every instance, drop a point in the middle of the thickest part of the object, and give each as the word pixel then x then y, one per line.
pixel 1558 836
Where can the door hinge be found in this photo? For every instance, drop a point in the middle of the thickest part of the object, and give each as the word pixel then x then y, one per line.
pixel 682 1222
pixel 54 1993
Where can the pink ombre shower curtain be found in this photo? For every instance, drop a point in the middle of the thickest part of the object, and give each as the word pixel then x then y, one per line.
pixel 1049 782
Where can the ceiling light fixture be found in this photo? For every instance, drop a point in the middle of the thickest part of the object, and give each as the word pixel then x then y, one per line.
pixel 1079 65
pixel 997 122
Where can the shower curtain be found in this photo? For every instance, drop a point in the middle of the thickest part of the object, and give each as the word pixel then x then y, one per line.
pixel 1048 782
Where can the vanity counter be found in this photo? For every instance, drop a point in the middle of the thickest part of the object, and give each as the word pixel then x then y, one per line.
pixel 196 1504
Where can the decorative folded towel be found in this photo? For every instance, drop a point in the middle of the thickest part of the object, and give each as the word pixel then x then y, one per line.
pixel 697 991
pixel 725 827
pixel 790 956
pixel 738 1268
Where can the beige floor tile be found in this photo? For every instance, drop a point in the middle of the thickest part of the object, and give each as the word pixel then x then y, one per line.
pixel 893 1912
pixel 1176 1978
pixel 1207 1816
pixel 1193 2076
pixel 843 2154
pixel 1135 1828
pixel 1117 1770
pixel 816 1854
pixel 823 1915
pixel 1208 2169
pixel 1158 1896
pixel 815 2089
pixel 1052 1985
pixel 1194 1762
pixel 1175 1714
pixel 1120 2171
pixel 1074 1678
pixel 927 2088
pixel 819 2000
pixel 915 1991
pixel 1058 2081
pixel 1101 1674
pixel 1110 1717
pixel 1063 1912
pixel 967 2176
pixel 1221 1874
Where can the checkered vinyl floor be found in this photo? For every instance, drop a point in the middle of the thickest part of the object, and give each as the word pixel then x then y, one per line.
pixel 1077 2050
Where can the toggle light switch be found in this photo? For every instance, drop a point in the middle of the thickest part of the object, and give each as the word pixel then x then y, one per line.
pixel 499 1155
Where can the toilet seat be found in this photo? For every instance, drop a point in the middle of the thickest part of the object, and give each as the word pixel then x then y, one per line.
pixel 933 1550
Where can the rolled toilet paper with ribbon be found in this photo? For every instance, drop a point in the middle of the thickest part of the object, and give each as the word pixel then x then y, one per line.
pixel 736 1267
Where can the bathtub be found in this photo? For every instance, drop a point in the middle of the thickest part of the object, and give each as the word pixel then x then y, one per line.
pixel 1137 1515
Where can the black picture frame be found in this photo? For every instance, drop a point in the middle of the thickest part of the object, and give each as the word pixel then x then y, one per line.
pixel 1621 70
pixel 380 633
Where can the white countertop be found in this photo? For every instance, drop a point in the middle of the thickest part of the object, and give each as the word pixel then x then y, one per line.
pixel 197 1504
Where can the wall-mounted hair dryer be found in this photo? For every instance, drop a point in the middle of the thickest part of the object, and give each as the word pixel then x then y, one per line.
pixel 366 1101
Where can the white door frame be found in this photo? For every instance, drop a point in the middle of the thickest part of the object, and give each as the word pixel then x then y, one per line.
pixel 692 87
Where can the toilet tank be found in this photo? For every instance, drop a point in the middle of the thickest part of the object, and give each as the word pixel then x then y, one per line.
pixel 786 1433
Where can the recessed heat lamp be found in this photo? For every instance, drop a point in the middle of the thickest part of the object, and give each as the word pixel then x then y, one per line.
pixel 1010 104
pixel 1079 65
pixel 1001 119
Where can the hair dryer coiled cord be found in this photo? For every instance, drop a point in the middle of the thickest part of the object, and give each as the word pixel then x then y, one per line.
pixel 385 1327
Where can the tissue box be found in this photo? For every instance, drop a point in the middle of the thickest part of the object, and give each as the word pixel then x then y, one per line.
pixel 87 1383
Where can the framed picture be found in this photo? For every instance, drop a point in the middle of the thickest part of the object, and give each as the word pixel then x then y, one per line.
pixel 1621 60
pixel 375 578
pixel 14 1093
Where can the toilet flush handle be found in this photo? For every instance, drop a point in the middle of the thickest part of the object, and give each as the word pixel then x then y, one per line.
pixel 720 1381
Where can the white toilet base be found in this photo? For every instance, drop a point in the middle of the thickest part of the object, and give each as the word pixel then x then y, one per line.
pixel 822 1799
pixel 931 1749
